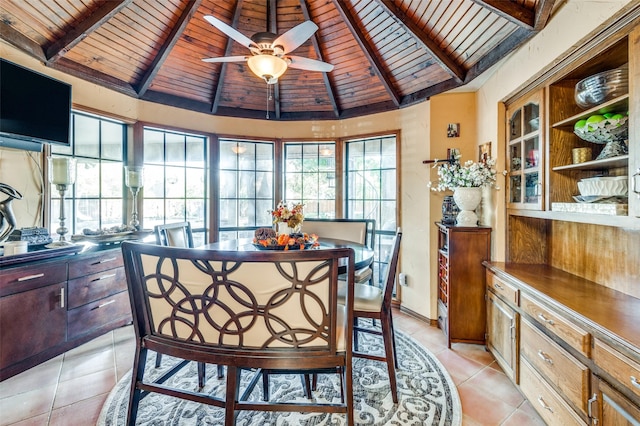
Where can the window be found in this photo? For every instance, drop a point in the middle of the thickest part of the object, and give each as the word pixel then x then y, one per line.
pixel 371 190
pixel 95 200
pixel 175 180
pixel 246 187
pixel 310 177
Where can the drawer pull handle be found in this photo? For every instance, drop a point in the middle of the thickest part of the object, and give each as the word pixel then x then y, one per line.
pixel 544 319
pixel 594 398
pixel 104 304
pixel 544 404
pixel 635 382
pixel 62 297
pixel 104 277
pixel 545 357
pixel 498 286
pixel 30 277
pixel 111 259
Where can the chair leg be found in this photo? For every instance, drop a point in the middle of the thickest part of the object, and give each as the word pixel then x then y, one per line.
pixel 201 374
pixel 158 360
pixel 306 384
pixel 265 385
pixel 232 395
pixel 139 362
pixel 393 340
pixel 220 371
pixel 387 336
pixel 355 334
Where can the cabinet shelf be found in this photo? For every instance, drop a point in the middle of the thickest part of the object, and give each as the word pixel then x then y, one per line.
pixel 617 104
pixel 627 222
pixel 607 163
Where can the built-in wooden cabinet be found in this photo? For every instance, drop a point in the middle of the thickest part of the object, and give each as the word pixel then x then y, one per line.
pixel 525 151
pixel 461 305
pixel 503 334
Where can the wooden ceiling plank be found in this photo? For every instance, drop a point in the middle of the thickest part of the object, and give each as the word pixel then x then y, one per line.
pixel 543 13
pixel 167 46
pixel 510 11
pixel 272 24
pixel 367 50
pixel 456 71
pixel 15 38
pixel 331 93
pixel 92 22
pixel 93 76
pixel 223 69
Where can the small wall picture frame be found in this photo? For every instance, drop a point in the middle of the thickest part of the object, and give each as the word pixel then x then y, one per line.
pixel 453 130
pixel 484 152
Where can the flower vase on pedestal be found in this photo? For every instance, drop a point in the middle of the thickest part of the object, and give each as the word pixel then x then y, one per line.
pixel 467 199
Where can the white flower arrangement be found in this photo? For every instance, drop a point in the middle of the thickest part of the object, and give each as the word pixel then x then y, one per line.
pixel 452 175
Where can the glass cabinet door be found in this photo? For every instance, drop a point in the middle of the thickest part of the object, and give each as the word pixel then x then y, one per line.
pixel 524 153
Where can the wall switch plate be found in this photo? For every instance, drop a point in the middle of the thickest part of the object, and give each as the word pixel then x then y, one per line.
pixel 402 279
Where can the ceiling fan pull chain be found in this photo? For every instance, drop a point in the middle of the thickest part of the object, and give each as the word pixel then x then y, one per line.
pixel 268 96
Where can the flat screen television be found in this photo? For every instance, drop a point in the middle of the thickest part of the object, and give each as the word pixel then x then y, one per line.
pixel 34 108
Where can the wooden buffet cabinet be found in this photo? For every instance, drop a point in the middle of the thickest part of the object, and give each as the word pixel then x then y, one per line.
pixel 50 306
pixel 563 310
pixel 461 251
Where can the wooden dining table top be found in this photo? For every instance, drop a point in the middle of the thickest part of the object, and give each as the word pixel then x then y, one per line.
pixel 363 255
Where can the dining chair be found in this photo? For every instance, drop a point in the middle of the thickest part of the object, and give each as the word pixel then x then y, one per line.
pixel 179 234
pixel 361 231
pixel 375 303
pixel 275 310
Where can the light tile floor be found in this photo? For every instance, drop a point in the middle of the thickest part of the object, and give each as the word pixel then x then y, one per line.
pixel 70 389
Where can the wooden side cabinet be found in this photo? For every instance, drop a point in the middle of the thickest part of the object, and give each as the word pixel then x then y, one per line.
pixel 461 282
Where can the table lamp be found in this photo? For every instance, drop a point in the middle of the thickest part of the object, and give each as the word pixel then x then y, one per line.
pixel 134 180
pixel 62 173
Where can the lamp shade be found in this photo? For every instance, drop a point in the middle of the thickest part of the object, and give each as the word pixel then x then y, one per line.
pixel 268 67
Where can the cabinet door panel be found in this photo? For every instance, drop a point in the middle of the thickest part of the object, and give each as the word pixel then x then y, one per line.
pixel 31 322
pixel 502 330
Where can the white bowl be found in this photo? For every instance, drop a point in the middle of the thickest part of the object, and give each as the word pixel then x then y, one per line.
pixel 614 186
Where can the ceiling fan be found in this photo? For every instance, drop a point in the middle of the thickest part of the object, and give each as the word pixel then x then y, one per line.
pixel 269 59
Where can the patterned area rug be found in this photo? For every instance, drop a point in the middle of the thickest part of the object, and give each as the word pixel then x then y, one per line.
pixel 426 394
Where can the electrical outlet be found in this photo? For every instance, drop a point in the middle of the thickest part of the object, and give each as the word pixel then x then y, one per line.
pixel 402 278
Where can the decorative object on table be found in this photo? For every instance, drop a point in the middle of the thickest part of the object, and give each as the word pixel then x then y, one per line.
pixel 604 186
pixel 580 155
pixel 602 87
pixel 610 129
pixel 134 180
pixel 36 237
pixel 467 182
pixel 7 218
pixel 114 234
pixel 287 219
pixel 449 210
pixel 286 242
pixel 426 392
pixel 62 173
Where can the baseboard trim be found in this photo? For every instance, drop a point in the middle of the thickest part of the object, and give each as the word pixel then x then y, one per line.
pixel 431 322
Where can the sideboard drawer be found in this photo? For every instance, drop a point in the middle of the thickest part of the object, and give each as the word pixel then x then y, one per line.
pixel 99 313
pixel 96 286
pixel 556 364
pixel 617 365
pixel 16 280
pixel 91 264
pixel 550 406
pixel 503 289
pixel 574 336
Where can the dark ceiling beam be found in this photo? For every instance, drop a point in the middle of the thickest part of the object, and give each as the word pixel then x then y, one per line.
pixel 426 93
pixel 169 43
pixel 325 75
pixel 367 50
pixel 515 40
pixel 85 27
pixel 440 56
pixel 16 39
pixel 510 11
pixel 93 76
pixel 272 27
pixel 227 52
pixel 543 13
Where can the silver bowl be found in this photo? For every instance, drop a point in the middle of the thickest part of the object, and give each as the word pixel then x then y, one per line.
pixel 602 87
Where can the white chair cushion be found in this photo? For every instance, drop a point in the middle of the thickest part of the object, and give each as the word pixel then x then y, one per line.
pixel 361 275
pixel 366 297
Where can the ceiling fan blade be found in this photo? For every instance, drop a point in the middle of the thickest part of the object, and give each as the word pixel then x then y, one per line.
pixel 297 35
pixel 301 63
pixel 226 59
pixel 229 31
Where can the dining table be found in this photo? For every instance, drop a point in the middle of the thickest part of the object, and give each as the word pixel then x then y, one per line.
pixel 363 255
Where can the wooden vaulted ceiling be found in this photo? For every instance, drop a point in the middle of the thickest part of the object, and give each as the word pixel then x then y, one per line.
pixel 387 53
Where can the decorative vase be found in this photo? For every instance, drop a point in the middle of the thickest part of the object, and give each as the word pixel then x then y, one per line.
pixel 467 199
pixel 283 228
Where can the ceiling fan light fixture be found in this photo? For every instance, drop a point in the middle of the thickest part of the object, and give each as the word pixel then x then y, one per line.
pixel 267 67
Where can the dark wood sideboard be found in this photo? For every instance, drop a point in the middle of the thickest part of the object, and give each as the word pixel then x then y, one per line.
pixel 50 306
